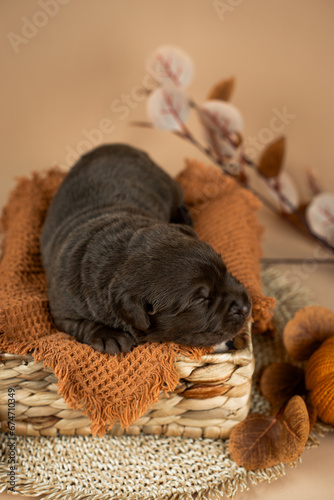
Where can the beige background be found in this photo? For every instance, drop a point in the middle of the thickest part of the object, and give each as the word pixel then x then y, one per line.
pixel 60 80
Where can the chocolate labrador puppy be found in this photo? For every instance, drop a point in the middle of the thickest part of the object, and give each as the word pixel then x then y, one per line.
pixel 120 267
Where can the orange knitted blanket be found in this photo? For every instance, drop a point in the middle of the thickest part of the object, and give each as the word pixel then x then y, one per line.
pixel 104 387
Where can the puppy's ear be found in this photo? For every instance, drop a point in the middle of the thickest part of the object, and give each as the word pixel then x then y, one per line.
pixel 133 312
pixel 130 309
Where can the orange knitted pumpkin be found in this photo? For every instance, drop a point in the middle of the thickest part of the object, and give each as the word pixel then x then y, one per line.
pixel 320 380
pixel 306 331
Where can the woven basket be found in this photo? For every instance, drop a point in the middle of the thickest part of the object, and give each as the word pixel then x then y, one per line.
pixel 212 396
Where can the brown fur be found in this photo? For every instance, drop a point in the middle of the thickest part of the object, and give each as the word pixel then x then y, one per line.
pixel 120 268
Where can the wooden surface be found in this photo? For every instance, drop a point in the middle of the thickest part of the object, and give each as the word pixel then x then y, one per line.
pixel 61 86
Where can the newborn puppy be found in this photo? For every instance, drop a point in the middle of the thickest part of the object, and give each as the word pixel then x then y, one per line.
pixel 120 268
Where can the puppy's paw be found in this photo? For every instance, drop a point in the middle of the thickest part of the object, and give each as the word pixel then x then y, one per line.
pixel 99 336
pixel 111 341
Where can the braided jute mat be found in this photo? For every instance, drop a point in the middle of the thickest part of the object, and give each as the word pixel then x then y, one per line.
pixel 153 467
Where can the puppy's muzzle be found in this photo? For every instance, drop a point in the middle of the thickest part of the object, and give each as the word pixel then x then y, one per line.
pixel 239 307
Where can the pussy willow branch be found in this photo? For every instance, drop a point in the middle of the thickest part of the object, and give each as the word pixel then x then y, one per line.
pixel 216 158
pixel 281 196
pixel 287 202
pixel 189 137
pixel 223 166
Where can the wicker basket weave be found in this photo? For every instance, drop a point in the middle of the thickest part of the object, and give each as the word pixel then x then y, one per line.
pixel 212 396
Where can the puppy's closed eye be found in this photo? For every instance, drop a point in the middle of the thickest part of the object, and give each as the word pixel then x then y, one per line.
pixel 202 295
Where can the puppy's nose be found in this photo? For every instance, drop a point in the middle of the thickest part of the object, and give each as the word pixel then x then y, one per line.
pixel 240 306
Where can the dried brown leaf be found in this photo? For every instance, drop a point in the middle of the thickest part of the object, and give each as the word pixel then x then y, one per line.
pixel 296 429
pixel 311 410
pixel 271 159
pixel 293 217
pixel 306 331
pixel 223 90
pixel 254 443
pixel 262 441
pixel 280 381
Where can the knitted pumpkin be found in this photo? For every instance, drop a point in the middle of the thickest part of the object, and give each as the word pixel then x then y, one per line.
pixel 320 380
pixel 306 331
